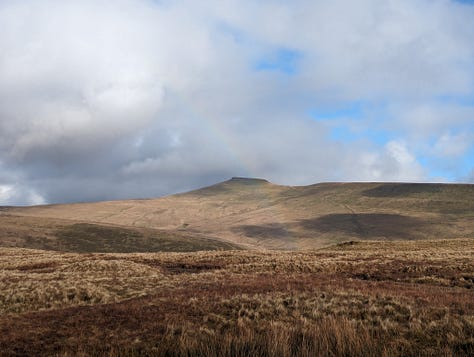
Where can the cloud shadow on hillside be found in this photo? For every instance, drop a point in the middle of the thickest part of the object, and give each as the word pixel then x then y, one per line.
pixel 401 189
pixel 265 231
pixel 365 225
pixel 361 225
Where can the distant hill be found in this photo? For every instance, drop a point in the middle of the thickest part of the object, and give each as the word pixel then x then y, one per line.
pixel 254 213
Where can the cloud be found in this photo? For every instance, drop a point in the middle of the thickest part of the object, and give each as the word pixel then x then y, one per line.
pixel 369 48
pixel 393 162
pixel 9 193
pixel 450 145
pixel 104 100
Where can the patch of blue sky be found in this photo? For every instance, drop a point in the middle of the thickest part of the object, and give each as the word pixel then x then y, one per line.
pixel 341 133
pixel 356 109
pixel 469 2
pixel 462 100
pixel 467 161
pixel 344 134
pixel 352 110
pixel 339 118
pixel 379 137
pixel 450 169
pixel 233 32
pixel 441 175
pixel 282 60
pixel 436 169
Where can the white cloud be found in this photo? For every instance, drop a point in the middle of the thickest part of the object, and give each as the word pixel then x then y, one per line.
pixel 5 194
pixel 449 145
pixel 369 48
pixel 399 152
pixel 87 69
pixel 12 195
pixel 393 162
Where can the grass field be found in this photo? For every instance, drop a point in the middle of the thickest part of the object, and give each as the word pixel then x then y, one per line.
pixel 356 298
pixel 243 268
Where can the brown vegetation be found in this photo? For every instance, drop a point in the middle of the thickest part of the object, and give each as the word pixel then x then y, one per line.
pixel 356 298
pixel 169 276
pixel 257 214
pixel 70 236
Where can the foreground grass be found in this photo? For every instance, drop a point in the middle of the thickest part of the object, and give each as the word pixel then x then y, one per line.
pixel 360 298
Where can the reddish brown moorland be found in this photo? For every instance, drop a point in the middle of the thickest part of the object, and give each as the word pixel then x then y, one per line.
pixel 356 298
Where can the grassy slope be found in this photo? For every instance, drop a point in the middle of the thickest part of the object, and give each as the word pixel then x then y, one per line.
pixel 70 236
pixel 366 298
pixel 256 213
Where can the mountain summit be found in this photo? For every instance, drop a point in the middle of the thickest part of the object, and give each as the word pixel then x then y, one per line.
pixel 247 180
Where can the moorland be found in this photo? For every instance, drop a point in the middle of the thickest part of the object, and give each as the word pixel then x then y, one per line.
pixel 244 267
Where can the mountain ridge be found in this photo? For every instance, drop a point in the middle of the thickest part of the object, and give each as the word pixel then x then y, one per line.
pixel 255 213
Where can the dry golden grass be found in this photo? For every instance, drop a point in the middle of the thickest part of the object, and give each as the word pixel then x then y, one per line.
pixel 357 299
pixel 258 214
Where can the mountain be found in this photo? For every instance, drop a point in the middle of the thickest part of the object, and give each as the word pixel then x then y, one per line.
pixel 254 213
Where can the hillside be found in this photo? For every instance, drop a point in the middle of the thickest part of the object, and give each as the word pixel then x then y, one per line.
pixel 82 237
pixel 255 213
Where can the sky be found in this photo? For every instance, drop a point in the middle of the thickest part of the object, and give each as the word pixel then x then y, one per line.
pixel 103 100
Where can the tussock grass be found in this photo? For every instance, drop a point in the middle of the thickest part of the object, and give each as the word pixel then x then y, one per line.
pixel 357 299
